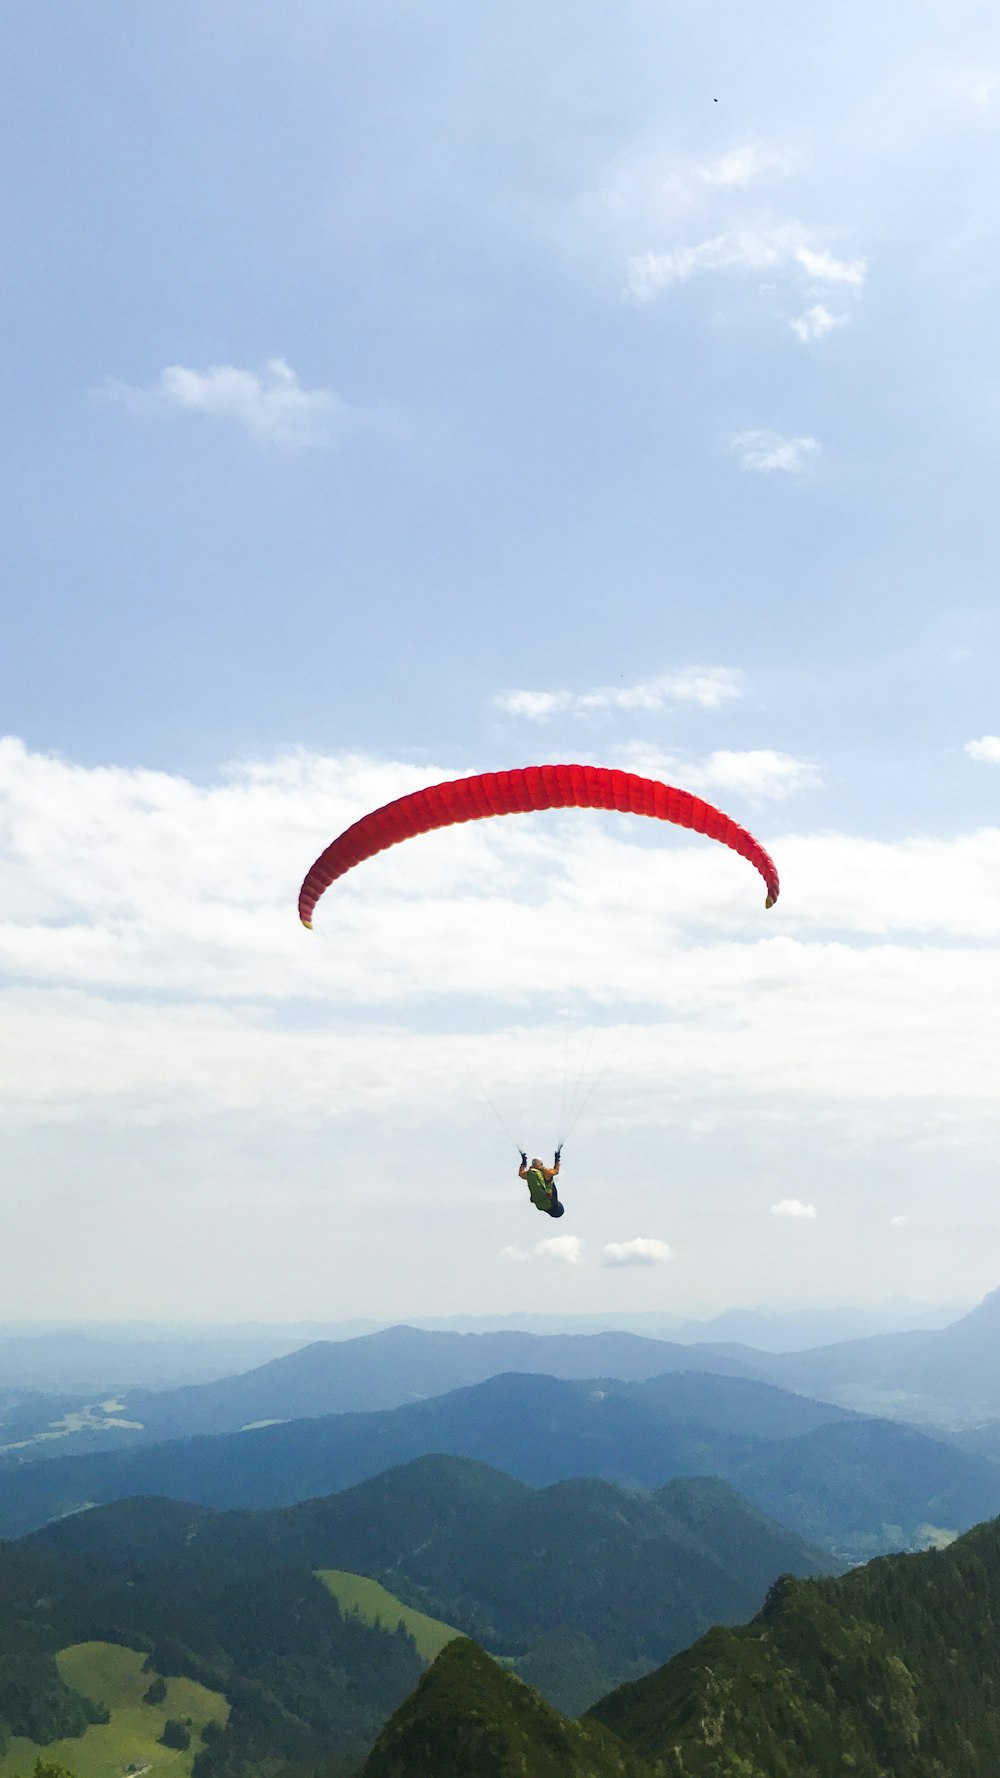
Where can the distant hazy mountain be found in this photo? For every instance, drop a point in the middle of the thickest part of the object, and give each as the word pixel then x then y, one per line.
pixel 769 1329
pixel 857 1486
pixel 380 1370
pixel 983 1441
pixel 404 1364
pixel 94 1357
pixel 949 1378
pixel 97 1358
pixel 632 1577
pixel 797 1330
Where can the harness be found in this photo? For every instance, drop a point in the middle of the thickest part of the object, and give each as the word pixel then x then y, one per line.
pixel 539 1188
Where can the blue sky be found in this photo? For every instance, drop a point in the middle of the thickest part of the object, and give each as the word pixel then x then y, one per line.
pixel 393 394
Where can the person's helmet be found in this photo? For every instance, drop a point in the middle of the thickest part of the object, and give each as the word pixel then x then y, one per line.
pixel 557 1210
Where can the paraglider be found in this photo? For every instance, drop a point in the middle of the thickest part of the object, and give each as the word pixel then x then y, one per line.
pixel 541 1183
pixel 517 793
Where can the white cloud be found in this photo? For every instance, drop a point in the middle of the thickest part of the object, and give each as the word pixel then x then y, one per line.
pixel 742 166
pixel 753 249
pixel 648 275
pixel 794 1208
pixel 707 687
pixel 536 706
pixel 271 405
pixel 761 773
pixel 898 1222
pixel 816 323
pixel 567 1249
pixel 758 772
pixel 987 749
pixel 765 451
pixel 824 267
pixel 662 221
pixel 643 1251
pixel 650 193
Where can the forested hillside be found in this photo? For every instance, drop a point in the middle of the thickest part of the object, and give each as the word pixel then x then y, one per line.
pixel 469 1719
pixel 581 1584
pixel 892 1671
pixel 303 1681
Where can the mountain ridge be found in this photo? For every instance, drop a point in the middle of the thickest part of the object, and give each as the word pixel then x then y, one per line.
pixel 890 1671
pixel 541 1430
pixel 631 1577
pixel 947 1378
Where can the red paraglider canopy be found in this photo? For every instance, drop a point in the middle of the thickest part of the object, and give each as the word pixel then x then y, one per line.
pixel 516 793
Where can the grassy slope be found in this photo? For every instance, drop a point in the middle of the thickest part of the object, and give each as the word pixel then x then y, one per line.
pixel 114 1677
pixel 375 1605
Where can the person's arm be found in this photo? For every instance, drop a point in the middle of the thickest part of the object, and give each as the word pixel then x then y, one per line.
pixel 557 1163
pixel 522 1171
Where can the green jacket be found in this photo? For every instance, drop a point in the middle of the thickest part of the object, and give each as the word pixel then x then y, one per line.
pixel 541 1193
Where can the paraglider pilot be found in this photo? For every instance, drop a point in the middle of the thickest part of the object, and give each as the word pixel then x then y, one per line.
pixel 541 1183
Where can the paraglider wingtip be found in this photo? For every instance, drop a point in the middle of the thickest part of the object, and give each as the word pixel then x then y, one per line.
pixel 769 903
pixel 307 924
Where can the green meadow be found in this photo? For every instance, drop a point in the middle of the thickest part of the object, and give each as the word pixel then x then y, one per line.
pixel 114 1677
pixel 105 1416
pixel 375 1605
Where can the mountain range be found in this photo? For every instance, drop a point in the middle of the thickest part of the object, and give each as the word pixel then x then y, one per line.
pixel 578 1586
pixel 103 1358
pixel 632 1577
pixel 947 1379
pixel 380 1370
pixel 852 1484
pixel 890 1671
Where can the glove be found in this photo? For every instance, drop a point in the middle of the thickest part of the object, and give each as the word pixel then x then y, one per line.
pixel 558 1154
pixel 524 1158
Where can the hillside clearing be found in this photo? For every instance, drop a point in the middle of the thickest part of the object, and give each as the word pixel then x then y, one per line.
pixel 374 1604
pixel 115 1677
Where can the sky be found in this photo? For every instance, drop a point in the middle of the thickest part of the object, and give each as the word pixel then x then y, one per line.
pixel 391 394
